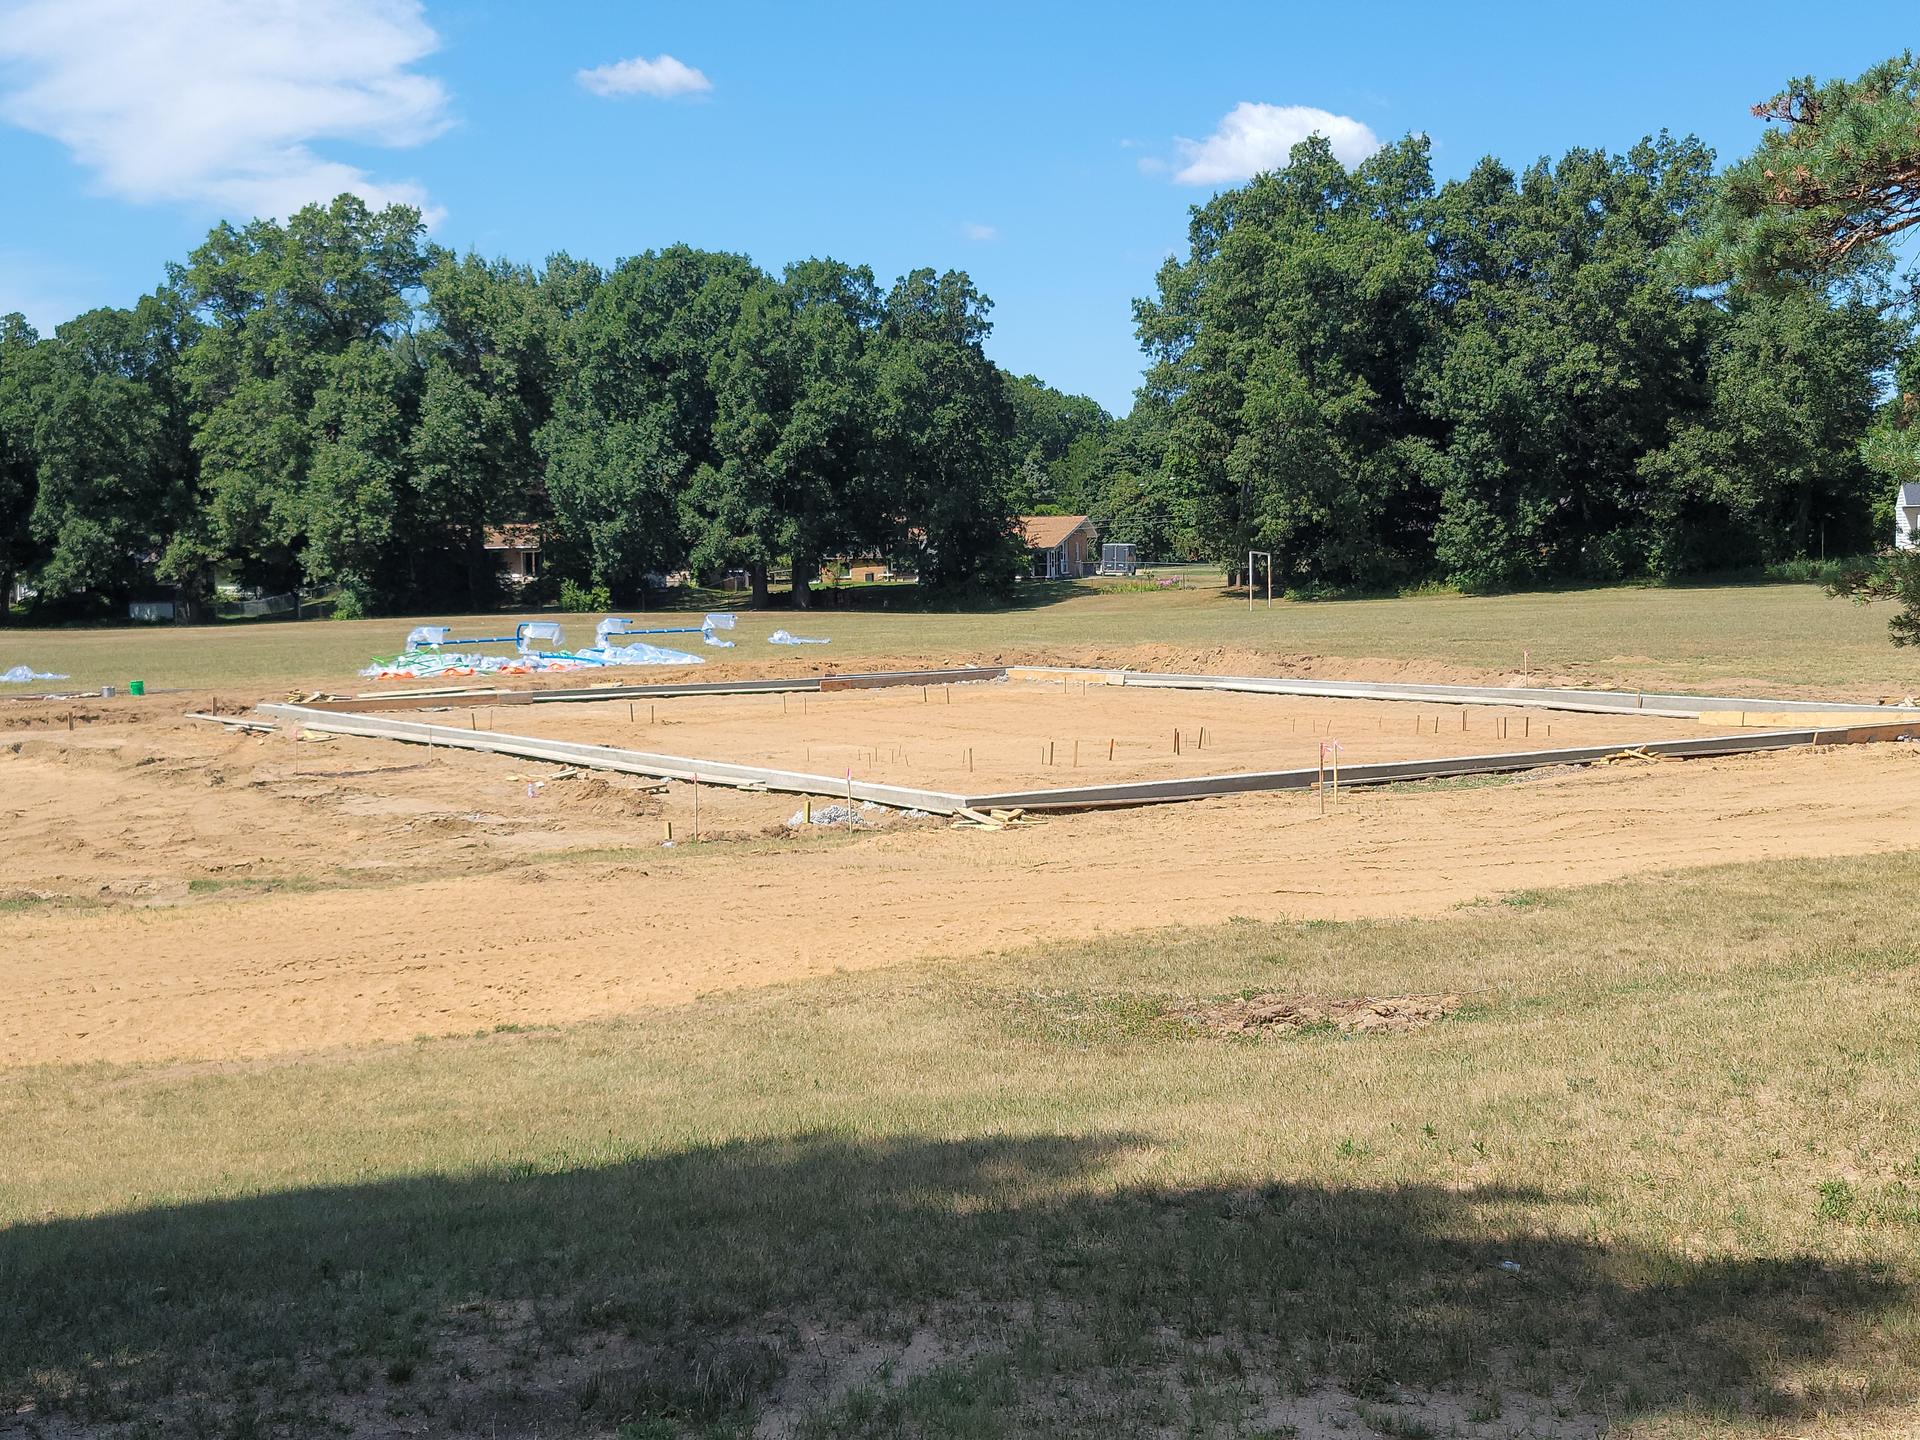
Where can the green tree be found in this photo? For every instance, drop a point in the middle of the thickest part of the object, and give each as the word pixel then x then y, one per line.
pixel 21 361
pixel 1058 445
pixel 1836 176
pixel 280 305
pixel 1284 345
pixel 943 436
pixel 1134 499
pixel 634 418
pixel 492 357
pixel 1833 180
pixel 792 428
pixel 1774 469
pixel 117 476
pixel 353 496
pixel 1564 355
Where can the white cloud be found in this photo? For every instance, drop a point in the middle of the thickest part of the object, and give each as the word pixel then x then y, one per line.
pixel 975 231
pixel 1253 137
pixel 662 77
pixel 221 101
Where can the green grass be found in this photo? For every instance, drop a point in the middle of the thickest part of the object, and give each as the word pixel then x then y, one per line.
pixel 1754 635
pixel 26 904
pixel 1034 1203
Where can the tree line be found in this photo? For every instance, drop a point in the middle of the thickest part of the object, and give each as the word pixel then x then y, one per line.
pixel 1510 379
pixel 1601 366
pixel 334 402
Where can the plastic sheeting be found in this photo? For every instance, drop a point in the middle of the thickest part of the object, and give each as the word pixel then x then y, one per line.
pixel 616 627
pixel 781 637
pixel 526 637
pixel 22 675
pixel 640 653
pixel 437 664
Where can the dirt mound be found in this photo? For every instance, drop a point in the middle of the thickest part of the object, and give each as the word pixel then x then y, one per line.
pixel 1364 1015
pixel 590 794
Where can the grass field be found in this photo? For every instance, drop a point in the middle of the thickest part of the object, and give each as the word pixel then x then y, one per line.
pixel 1754 635
pixel 1659 1172
pixel 1654 1172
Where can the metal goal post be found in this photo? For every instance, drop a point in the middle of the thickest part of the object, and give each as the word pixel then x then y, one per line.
pixel 1266 555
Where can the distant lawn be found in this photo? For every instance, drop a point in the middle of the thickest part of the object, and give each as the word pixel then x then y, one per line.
pixel 1660 1168
pixel 1756 635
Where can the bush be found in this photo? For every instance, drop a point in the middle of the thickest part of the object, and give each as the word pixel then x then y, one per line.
pixel 1894 577
pixel 580 598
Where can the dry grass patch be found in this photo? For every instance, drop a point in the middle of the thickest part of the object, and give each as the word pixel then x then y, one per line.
pixel 1661 1177
pixel 1367 1014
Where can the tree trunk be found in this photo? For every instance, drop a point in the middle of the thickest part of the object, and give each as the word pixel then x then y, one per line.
pixel 6 589
pixel 476 557
pixel 757 575
pixel 802 582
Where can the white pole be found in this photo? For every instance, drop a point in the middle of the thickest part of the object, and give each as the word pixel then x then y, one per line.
pixel 1266 555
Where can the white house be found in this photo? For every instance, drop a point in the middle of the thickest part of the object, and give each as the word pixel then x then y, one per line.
pixel 1906 518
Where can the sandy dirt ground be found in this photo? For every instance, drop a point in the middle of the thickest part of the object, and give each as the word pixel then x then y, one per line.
pixel 1024 734
pixel 170 891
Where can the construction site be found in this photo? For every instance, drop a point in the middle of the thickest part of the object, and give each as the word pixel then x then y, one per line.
pixel 680 838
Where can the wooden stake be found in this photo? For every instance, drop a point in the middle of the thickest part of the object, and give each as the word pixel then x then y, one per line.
pixel 1109 749
pixel 1176 742
pixel 667 826
pixel 1526 727
pixel 1323 780
pixel 630 710
pixel 696 809
pixel 1076 754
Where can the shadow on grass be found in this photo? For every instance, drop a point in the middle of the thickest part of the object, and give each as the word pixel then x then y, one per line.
pixel 695 1270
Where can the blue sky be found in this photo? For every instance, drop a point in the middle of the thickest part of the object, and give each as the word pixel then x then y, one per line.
pixel 1052 151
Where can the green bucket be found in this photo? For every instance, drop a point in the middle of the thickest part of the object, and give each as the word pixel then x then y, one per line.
pixel 136 687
